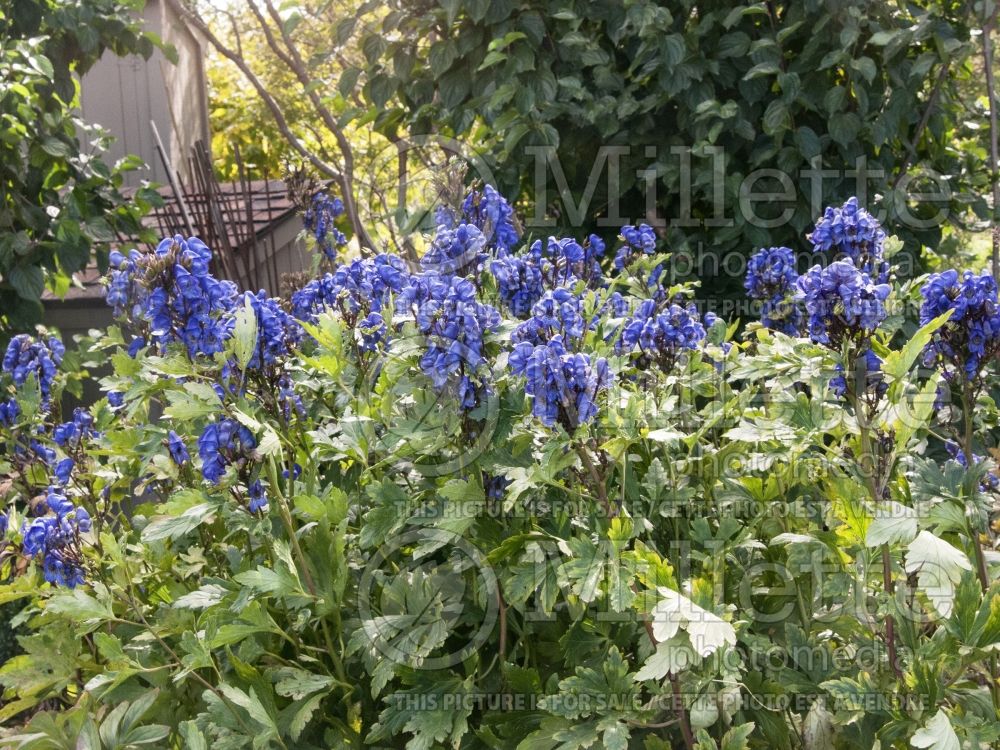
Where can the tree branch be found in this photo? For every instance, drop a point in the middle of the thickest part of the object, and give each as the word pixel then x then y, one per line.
pixel 911 148
pixel 991 94
pixel 294 60
pixel 264 94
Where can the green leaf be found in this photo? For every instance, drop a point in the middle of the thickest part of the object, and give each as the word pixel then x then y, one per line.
pixel 936 734
pixel 174 527
pixel 938 567
pixel 762 69
pixel 896 365
pixel 866 67
pixel 777 118
pixel 893 523
pixel 737 738
pixel 245 334
pixel 844 128
pixel 27 281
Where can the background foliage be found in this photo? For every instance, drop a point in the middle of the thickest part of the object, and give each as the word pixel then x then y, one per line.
pixel 60 200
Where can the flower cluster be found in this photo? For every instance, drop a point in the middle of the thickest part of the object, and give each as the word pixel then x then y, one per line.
pixel 842 303
pixel 990 481
pixel 971 336
pixel 10 410
pixel 320 219
pixel 853 232
pixel 562 261
pixel 558 313
pixel 173 292
pixel 353 289
pixel 867 376
pixel 25 357
pixel 490 212
pixel 638 240
pixel 658 335
pixel 447 312
pixel 563 385
pixel 55 539
pixel 277 332
pixel 460 250
pixel 223 443
pixel 770 279
pixel 70 435
pixel 519 281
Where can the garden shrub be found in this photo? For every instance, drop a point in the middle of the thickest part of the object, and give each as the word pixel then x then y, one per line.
pixel 694 105
pixel 513 497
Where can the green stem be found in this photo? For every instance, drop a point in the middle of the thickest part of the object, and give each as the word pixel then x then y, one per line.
pixel 982 573
pixel 293 539
pixel 868 468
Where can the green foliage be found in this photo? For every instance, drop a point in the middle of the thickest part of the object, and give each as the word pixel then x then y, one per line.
pixel 715 90
pixel 380 601
pixel 61 201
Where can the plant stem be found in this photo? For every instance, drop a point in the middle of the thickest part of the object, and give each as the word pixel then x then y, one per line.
pixel 289 523
pixel 868 469
pixel 967 436
pixel 681 711
pixel 598 481
pixel 981 571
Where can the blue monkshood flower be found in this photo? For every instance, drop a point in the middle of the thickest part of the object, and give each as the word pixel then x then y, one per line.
pixel 842 303
pixel 867 376
pixel 640 239
pixel 563 261
pixel 116 399
pixel 172 292
pixel 558 313
pixel 223 443
pixel 353 289
pixel 495 485
pixel 659 336
pixel 295 473
pixel 138 343
pixel 178 451
pixel 372 330
pixel 43 452
pixel 3 525
pixel 26 356
pixel 278 333
pixel 519 281
pixel 563 386
pixel 454 322
pixel 58 502
pixel 770 279
pixel 63 470
pixel 258 497
pixel 70 435
pixel 290 401
pixel 971 336
pixel 989 482
pixel 320 218
pixel 10 410
pixel 853 232
pixel 460 251
pixel 445 216
pixel 492 215
pixel 55 538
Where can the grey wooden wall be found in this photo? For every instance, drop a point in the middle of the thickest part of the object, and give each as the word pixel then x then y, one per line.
pixel 125 94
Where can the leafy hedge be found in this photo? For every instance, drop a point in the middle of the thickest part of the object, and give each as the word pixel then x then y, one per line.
pixel 514 498
pixel 725 88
